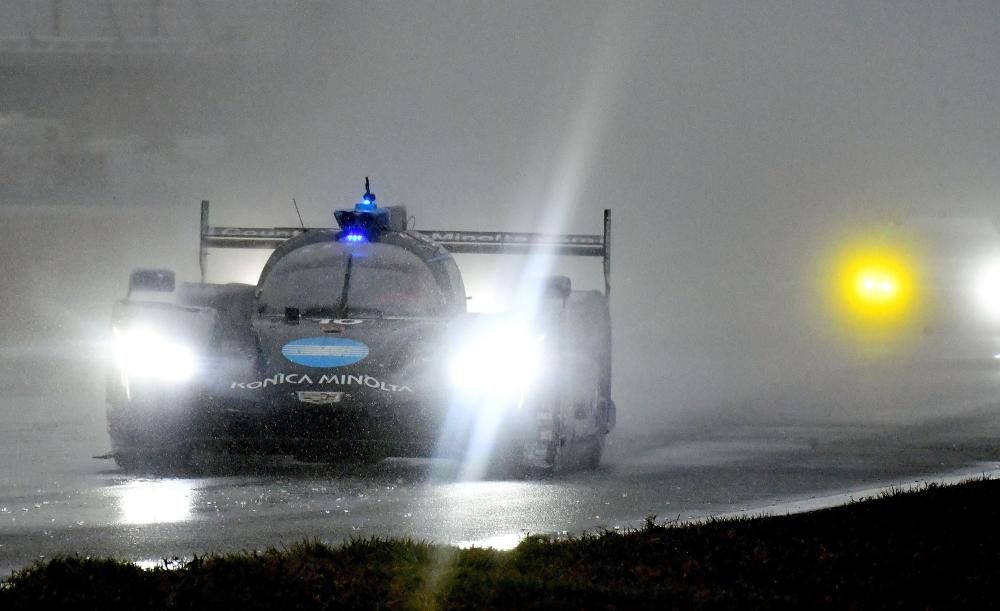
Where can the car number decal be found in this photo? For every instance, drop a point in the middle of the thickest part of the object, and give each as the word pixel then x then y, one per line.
pixel 324 351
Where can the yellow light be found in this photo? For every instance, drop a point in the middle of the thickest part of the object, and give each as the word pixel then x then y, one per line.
pixel 875 287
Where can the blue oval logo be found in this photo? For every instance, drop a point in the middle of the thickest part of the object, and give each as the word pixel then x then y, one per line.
pixel 324 351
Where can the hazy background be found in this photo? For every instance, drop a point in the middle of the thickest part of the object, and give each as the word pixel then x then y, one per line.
pixel 733 142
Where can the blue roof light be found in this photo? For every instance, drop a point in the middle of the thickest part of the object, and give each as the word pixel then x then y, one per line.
pixel 365 221
pixel 354 237
pixel 365 205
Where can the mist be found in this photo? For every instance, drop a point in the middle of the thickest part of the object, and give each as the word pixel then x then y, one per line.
pixel 733 143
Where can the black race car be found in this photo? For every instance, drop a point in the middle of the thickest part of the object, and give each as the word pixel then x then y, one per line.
pixel 356 343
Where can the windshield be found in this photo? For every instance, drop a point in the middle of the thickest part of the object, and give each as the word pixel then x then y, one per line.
pixel 333 279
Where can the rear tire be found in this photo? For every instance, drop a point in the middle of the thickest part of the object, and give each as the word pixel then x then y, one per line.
pixel 575 418
pixel 594 451
pixel 587 336
pixel 144 443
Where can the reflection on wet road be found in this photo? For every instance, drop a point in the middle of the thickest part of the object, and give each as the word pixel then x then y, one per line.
pixel 154 501
pixel 55 499
pixel 268 503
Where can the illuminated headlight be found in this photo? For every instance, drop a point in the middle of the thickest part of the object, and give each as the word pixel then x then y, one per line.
pixel 143 352
pixel 503 362
pixel 987 289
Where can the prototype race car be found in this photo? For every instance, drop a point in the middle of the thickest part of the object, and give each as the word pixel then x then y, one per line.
pixel 356 343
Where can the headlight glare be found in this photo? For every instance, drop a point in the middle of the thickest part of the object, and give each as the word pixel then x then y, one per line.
pixel 504 361
pixel 987 289
pixel 143 352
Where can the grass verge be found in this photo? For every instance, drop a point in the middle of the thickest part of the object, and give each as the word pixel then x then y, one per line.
pixel 932 548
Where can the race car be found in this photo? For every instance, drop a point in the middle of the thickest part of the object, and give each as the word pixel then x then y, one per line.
pixel 355 343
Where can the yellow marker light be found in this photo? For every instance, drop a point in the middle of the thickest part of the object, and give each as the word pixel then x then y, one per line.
pixel 874 288
pixel 877 287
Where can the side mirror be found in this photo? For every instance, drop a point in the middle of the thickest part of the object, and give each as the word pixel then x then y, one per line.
pixel 155 280
pixel 558 287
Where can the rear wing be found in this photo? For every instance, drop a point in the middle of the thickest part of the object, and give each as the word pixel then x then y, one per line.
pixel 461 242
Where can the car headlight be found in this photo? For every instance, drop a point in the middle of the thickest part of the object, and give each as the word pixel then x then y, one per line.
pixel 501 362
pixel 143 352
pixel 986 287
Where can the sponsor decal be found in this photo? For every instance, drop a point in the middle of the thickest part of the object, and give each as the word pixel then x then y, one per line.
pixel 319 397
pixel 485 237
pixel 254 232
pixel 324 352
pixel 279 379
pixel 337 325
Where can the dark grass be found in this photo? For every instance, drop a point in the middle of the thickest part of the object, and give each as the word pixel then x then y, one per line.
pixel 934 548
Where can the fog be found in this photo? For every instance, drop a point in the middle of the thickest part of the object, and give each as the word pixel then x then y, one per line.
pixel 734 143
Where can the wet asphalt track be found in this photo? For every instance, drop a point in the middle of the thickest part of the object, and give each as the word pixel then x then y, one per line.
pixel 55 499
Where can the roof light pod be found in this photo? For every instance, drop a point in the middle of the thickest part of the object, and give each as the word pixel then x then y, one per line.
pixel 367 203
pixel 364 222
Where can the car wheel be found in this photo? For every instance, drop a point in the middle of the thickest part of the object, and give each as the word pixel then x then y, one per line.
pixel 593 451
